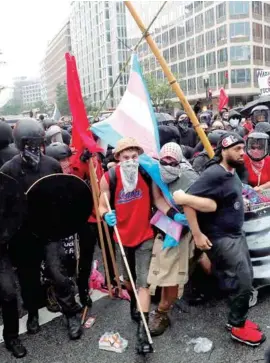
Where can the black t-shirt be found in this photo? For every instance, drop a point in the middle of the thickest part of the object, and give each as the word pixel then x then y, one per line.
pixel 27 176
pixel 225 189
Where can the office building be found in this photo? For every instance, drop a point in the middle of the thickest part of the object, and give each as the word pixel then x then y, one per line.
pixel 99 43
pixel 209 44
pixel 31 93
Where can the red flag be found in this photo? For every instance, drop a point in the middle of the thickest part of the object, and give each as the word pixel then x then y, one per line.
pixel 82 137
pixel 223 99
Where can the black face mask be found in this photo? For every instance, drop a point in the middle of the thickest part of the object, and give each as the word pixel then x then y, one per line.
pixel 31 155
pixel 183 126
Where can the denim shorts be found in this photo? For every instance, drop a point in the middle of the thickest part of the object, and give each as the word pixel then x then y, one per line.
pixel 139 259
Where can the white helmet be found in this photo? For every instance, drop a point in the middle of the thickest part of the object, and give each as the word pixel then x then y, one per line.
pixel 53 134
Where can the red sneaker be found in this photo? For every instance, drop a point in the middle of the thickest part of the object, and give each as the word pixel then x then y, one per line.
pixel 248 324
pixel 248 336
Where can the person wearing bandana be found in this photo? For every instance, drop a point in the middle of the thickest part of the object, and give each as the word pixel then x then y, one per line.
pixel 27 250
pixel 257 161
pixel 188 136
pixel 220 233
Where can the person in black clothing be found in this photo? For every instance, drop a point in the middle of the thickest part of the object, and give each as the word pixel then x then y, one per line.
pixel 220 234
pixel 188 135
pixel 29 250
pixel 7 149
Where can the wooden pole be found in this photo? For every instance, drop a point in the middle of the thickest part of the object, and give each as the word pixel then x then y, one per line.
pixel 108 238
pixel 92 180
pixel 175 86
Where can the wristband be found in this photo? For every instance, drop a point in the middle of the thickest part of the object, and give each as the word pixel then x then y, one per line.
pixel 171 213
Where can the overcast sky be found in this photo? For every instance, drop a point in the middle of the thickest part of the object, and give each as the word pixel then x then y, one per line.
pixel 26 26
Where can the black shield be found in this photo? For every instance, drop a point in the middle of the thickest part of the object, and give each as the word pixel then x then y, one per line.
pixel 58 205
pixel 12 207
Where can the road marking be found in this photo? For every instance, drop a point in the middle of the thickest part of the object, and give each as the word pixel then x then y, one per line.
pixel 45 316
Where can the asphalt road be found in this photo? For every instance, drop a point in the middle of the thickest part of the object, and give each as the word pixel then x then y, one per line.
pixel 52 345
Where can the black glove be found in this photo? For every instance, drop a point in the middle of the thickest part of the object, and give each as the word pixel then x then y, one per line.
pixel 85 156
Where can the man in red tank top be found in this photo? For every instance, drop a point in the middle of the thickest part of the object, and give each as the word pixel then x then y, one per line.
pixel 132 214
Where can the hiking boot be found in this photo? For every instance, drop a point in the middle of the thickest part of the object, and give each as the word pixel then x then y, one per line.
pixel 248 336
pixel 142 344
pixel 248 324
pixel 16 348
pixel 32 323
pixel 74 327
pixel 158 322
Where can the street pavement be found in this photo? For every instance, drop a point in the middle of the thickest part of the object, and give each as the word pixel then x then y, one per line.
pixel 52 345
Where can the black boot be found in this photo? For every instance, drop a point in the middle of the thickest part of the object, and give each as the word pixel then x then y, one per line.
pixel 16 348
pixel 142 344
pixel 134 313
pixel 33 323
pixel 74 326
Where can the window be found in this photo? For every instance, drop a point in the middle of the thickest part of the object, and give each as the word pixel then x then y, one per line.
pixel 200 83
pixel 191 65
pixel 153 61
pixel 267 10
pixel 209 17
pixel 239 30
pixel 173 53
pixel 239 7
pixel 210 38
pixel 192 84
pixel 159 75
pixel 258 54
pixel 190 47
pixel 257 31
pixel 190 26
pixel 183 85
pixel 222 55
pixel 222 78
pixel 221 33
pixel 174 69
pixel 213 80
pixel 181 50
pixel 189 9
pixel 267 55
pixel 172 35
pixel 198 5
pixel 211 60
pixel 221 10
pixel 180 31
pixel 199 22
pixel 199 42
pixel 240 53
pixel 200 63
pixel 166 55
pixel 240 76
pixel 267 34
pixel 182 69
pixel 165 39
pixel 257 7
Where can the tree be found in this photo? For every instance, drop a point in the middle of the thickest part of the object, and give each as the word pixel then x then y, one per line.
pixel 88 106
pixel 62 99
pixel 12 107
pixel 160 92
pixel 41 105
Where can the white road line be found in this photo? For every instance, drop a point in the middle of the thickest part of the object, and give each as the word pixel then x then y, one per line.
pixel 46 316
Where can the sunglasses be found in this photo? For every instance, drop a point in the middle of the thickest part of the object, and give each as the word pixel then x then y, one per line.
pixel 170 163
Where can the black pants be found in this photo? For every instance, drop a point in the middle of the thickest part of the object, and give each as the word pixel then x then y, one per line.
pixel 231 262
pixel 8 298
pixel 28 254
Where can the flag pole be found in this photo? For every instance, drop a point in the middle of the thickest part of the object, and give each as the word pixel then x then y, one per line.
pixel 174 84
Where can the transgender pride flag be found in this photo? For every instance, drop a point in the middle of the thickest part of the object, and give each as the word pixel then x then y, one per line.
pixel 135 117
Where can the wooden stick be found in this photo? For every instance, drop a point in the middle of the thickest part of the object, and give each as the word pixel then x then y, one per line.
pixel 100 232
pixel 129 274
pixel 85 311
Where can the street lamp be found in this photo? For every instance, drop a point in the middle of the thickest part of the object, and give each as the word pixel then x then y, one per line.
pixel 206 84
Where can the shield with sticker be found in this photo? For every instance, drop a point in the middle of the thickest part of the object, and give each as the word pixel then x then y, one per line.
pixel 12 207
pixel 58 206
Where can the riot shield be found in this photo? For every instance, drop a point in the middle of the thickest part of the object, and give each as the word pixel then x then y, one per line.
pixel 12 207
pixel 58 205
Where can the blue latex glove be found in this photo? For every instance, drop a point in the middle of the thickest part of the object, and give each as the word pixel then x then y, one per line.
pixel 181 219
pixel 169 242
pixel 110 218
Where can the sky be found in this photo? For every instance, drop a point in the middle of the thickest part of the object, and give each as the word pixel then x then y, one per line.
pixel 26 27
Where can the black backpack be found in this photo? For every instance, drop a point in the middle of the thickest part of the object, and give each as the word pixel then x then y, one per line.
pixel 113 181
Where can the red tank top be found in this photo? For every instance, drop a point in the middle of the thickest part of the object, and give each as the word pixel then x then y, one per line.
pixel 133 212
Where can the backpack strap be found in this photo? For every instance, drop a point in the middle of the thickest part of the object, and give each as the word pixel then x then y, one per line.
pixel 112 185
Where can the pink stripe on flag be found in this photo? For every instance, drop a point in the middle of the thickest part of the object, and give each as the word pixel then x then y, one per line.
pixel 167 225
pixel 136 87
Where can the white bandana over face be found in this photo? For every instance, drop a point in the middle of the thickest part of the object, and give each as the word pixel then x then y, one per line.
pixel 129 170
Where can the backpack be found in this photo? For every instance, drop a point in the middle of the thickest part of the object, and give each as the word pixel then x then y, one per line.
pixel 113 181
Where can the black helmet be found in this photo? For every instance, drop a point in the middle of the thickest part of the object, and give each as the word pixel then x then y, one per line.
pixel 257 145
pixel 260 114
pixel 28 130
pixel 5 134
pixel 66 137
pixel 58 151
pixel 48 122
pixel 263 127
pixel 215 135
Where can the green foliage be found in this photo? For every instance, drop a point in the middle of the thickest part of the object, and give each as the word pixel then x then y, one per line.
pixel 90 109
pixel 11 108
pixel 160 92
pixel 62 99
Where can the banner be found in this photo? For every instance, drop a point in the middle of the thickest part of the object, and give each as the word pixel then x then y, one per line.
pixel 223 99
pixel 264 81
